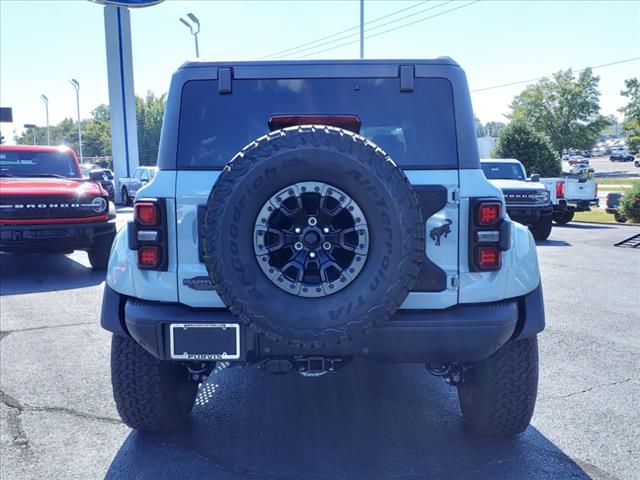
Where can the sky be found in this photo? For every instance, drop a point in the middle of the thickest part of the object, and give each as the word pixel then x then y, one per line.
pixel 43 44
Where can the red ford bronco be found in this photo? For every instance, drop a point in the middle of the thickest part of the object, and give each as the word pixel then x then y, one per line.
pixel 47 206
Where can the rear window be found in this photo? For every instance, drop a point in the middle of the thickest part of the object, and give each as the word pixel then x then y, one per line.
pixel 417 129
pixel 34 164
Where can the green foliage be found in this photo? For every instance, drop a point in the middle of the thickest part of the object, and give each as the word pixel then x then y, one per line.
pixel 96 131
pixel 149 113
pixel 631 111
pixel 494 129
pixel 630 203
pixel 565 108
pixel 520 141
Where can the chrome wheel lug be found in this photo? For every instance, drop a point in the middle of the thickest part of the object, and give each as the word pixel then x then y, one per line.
pixel 298 246
pixel 326 246
pixel 325 230
pixel 297 230
pixel 312 254
pixel 312 221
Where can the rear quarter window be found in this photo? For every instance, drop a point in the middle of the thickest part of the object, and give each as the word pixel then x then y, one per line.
pixel 417 129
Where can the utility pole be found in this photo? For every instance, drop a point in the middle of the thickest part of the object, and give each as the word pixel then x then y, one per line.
pixel 76 85
pixel 193 31
pixel 361 29
pixel 46 108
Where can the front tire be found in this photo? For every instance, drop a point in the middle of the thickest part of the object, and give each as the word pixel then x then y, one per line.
pixel 499 393
pixel 99 254
pixel 542 229
pixel 619 217
pixel 151 395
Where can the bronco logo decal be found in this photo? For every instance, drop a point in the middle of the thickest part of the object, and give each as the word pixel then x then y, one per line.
pixel 437 232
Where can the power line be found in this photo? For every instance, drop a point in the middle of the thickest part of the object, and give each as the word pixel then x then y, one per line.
pixel 519 82
pixel 313 47
pixel 395 28
pixel 277 54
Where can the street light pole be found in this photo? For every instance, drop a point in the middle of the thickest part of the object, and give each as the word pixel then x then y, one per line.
pixel 35 131
pixel 193 31
pixel 46 108
pixel 76 85
pixel 361 29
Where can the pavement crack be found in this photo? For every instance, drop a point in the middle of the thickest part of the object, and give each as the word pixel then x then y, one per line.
pixel 4 333
pixel 588 389
pixel 13 403
pixel 18 434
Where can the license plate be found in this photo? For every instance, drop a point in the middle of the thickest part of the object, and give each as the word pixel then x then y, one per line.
pixel 204 341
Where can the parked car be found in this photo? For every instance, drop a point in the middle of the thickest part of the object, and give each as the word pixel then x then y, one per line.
pixel 621 156
pixel 572 195
pixel 528 201
pixel 613 206
pixel 581 169
pixel 578 159
pixel 282 236
pixel 128 187
pixel 46 205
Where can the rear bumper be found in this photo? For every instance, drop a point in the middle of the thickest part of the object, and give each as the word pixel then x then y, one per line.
pixel 464 333
pixel 576 205
pixel 58 237
pixel 528 215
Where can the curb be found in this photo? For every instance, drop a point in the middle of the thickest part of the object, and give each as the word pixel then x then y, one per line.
pixel 608 223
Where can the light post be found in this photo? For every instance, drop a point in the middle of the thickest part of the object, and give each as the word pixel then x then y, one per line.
pixel 46 109
pixel 35 131
pixel 361 29
pixel 193 31
pixel 76 85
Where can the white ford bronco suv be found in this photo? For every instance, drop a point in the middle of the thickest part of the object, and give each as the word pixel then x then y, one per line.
pixel 308 213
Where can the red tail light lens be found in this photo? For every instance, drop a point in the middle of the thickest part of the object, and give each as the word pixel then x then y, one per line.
pixel 560 189
pixel 146 213
pixel 148 257
pixel 488 258
pixel 489 213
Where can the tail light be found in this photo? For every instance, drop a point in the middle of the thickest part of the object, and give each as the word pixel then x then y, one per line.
pixel 488 258
pixel 559 189
pixel 489 234
pixel 489 213
pixel 346 122
pixel 148 234
pixel 146 213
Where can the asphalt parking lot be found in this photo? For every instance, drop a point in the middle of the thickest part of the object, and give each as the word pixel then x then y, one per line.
pixel 368 421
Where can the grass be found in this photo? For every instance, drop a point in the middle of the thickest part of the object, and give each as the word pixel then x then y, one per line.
pixel 595 215
pixel 616 180
pixel 607 188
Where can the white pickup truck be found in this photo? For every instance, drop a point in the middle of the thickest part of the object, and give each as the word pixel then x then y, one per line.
pixel 571 195
pixel 128 187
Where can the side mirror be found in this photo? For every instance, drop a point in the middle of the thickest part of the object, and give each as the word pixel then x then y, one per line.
pixel 144 180
pixel 535 177
pixel 96 175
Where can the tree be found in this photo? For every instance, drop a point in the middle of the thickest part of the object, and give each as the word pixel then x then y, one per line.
pixel 564 108
pixel 494 129
pixel 479 128
pixel 519 140
pixel 149 113
pixel 631 111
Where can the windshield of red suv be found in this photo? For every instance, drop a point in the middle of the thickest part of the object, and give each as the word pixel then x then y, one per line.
pixel 37 164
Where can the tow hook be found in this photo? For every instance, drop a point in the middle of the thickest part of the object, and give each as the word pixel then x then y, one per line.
pixel 305 366
pixel 452 373
pixel 199 372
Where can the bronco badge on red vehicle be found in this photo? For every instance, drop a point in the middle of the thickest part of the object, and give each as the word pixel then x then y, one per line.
pixel 47 206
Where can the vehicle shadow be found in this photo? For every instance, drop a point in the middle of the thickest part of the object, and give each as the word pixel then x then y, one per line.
pixel 586 226
pixel 44 273
pixel 369 421
pixel 552 243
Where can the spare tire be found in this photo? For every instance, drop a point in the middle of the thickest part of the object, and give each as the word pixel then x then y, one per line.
pixel 312 236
